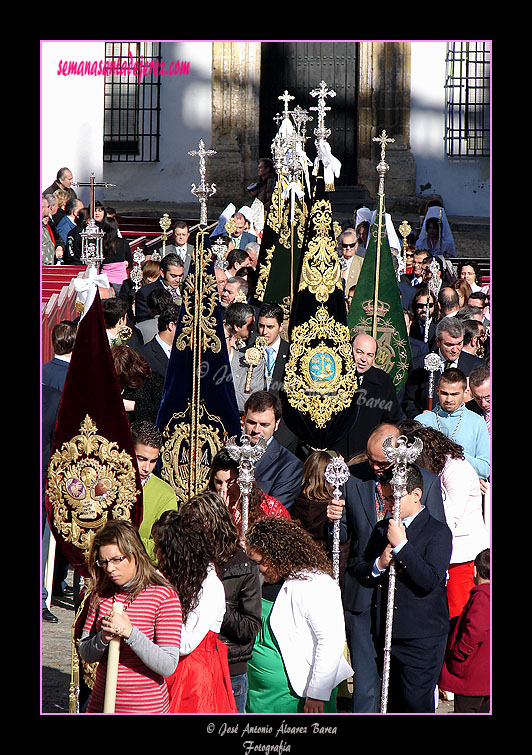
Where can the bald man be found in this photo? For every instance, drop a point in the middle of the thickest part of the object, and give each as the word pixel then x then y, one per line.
pixel 359 510
pixel 376 398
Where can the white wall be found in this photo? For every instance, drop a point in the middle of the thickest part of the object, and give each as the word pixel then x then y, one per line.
pixel 463 184
pixel 185 119
pixel 71 114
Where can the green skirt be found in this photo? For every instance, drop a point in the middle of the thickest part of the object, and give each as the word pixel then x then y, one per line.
pixel 269 688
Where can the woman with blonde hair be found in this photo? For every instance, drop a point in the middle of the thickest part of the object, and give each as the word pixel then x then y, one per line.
pixel 150 625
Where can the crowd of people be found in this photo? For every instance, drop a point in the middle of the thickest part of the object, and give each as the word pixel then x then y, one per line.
pixel 217 620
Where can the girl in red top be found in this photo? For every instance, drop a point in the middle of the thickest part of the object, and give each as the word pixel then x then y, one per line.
pixel 224 481
pixel 150 626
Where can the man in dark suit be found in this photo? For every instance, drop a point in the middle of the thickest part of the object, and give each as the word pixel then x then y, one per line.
pixel 270 325
pixel 376 399
pixel 157 351
pixel 278 472
pixel 171 278
pixel 359 510
pixel 63 338
pixel 420 547
pixel 449 343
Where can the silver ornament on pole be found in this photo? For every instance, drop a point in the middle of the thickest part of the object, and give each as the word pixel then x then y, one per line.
pixel 203 192
pixel 336 474
pixel 402 454
pixel 246 455
pixel 432 364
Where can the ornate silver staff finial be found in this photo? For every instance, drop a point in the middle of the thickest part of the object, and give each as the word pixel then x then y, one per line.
pixel 246 454
pixel 336 474
pixel 92 244
pixel 432 363
pixel 203 192
pixel 136 272
pixel 434 281
pixel 383 167
pixel 219 249
pixel 402 454
pixel 321 93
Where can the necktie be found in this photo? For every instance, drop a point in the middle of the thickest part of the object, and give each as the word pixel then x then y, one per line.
pixel 269 350
pixel 487 418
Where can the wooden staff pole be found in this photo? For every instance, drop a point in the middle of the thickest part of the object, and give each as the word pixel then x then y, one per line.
pixel 112 668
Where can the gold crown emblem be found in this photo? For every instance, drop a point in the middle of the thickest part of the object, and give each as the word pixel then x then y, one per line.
pixel 382 308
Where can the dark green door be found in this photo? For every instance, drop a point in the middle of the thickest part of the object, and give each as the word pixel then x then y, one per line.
pixel 299 67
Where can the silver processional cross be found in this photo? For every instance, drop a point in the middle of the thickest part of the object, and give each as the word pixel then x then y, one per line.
pixel 203 192
pixel 92 184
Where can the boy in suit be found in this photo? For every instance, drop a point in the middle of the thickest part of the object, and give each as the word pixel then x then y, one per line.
pixel 421 547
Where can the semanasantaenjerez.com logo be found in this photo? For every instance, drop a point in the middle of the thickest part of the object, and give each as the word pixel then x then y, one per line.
pixel 119 67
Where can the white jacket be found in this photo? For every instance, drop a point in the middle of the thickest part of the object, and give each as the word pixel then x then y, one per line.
pixel 307 620
pixel 462 502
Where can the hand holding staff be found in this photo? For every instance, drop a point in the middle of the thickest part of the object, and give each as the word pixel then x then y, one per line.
pixel 112 658
pixel 336 473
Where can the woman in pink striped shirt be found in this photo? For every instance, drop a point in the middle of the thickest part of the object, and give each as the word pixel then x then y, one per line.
pixel 150 626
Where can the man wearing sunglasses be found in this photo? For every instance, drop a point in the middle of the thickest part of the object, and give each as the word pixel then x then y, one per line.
pixel 351 262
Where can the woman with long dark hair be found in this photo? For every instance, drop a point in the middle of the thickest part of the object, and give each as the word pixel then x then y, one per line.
pixel 201 682
pixel 241 581
pixel 150 625
pixel 117 257
pixel 298 657
pixel 142 389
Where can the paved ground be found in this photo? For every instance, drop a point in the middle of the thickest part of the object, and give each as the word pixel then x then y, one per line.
pixel 56 659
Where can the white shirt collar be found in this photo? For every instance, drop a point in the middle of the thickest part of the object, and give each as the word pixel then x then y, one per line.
pixel 164 346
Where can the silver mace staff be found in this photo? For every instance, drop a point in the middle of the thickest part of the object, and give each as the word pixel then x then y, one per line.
pixel 247 455
pixel 336 473
pixel 432 364
pixel 402 454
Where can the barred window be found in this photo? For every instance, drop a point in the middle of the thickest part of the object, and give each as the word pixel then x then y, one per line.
pixel 467 87
pixel 132 101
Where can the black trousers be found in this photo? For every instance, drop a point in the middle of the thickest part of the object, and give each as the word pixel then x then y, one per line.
pixel 469 704
pixel 415 666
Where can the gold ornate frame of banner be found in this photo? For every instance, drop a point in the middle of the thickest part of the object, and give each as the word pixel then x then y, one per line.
pixel 185 453
pixel 320 373
pixel 392 351
pixel 320 271
pixel 187 458
pixel 87 478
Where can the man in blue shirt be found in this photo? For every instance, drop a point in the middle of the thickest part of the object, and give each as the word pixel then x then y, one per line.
pixel 451 417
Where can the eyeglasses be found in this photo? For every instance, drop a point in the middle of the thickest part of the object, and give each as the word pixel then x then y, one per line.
pixel 423 306
pixel 115 561
pixel 348 246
